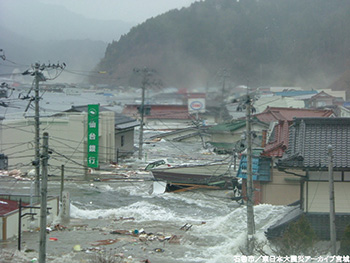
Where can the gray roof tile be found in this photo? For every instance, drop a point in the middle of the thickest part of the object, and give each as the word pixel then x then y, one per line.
pixel 309 139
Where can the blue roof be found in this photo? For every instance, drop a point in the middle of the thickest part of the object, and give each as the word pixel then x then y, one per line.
pixel 293 93
pixel 346 104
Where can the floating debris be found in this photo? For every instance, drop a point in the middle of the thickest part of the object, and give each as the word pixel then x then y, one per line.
pixel 105 242
pixel 77 248
pixel 186 227
pixel 124 218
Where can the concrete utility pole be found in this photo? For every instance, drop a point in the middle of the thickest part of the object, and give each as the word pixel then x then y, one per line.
pixel 142 112
pixel 331 202
pixel 37 130
pixel 62 182
pixel 146 81
pixel 38 76
pixel 250 193
pixel 222 107
pixel 43 203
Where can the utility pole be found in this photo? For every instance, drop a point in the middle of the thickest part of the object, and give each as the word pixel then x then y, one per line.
pixel 62 182
pixel 224 76
pixel 331 202
pixel 37 130
pixel 250 193
pixel 142 111
pixel 43 203
pixel 146 81
pixel 38 76
pixel 246 101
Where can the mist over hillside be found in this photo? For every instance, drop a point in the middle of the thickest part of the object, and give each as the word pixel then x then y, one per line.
pixel 270 42
pixel 43 21
pixel 79 55
pixel 38 32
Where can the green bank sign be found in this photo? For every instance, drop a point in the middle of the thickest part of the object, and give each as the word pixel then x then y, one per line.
pixel 92 135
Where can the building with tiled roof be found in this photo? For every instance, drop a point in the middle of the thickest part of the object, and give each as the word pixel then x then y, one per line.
pixel 288 114
pixel 323 99
pixel 281 119
pixel 308 159
pixel 309 139
pixel 281 188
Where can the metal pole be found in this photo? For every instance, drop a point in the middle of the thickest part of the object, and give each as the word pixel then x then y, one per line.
pixel 62 182
pixel 142 116
pixel 250 201
pixel 37 131
pixel 331 202
pixel 19 223
pixel 43 205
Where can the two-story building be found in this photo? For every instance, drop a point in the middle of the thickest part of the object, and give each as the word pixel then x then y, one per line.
pixel 308 159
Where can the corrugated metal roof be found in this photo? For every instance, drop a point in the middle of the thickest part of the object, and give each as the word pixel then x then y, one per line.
pixel 127 125
pixel 121 121
pixel 228 127
pixel 7 206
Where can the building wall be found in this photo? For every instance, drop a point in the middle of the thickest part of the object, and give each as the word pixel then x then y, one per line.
pixel 128 146
pixel 10 221
pixel 67 139
pixel 3 234
pixel 282 190
pixel 226 137
pixel 107 149
pixel 317 197
pixel 166 124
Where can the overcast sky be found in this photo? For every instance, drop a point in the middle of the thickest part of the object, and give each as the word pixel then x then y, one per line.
pixel 126 10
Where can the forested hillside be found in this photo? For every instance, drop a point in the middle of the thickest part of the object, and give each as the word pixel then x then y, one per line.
pixel 260 42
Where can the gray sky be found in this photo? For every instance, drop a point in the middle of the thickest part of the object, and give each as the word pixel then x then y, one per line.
pixel 126 10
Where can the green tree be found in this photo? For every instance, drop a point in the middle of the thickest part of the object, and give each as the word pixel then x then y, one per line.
pixel 345 242
pixel 298 238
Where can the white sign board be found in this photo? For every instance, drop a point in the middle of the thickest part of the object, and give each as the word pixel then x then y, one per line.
pixel 196 105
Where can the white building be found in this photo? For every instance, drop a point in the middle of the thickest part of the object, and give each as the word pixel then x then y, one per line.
pixel 67 141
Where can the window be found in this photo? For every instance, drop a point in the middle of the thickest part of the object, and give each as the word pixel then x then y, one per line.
pixel 122 141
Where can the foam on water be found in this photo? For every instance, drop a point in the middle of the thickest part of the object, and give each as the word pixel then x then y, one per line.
pixel 217 239
pixel 141 211
pixel 201 199
pixel 223 236
pixel 218 224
